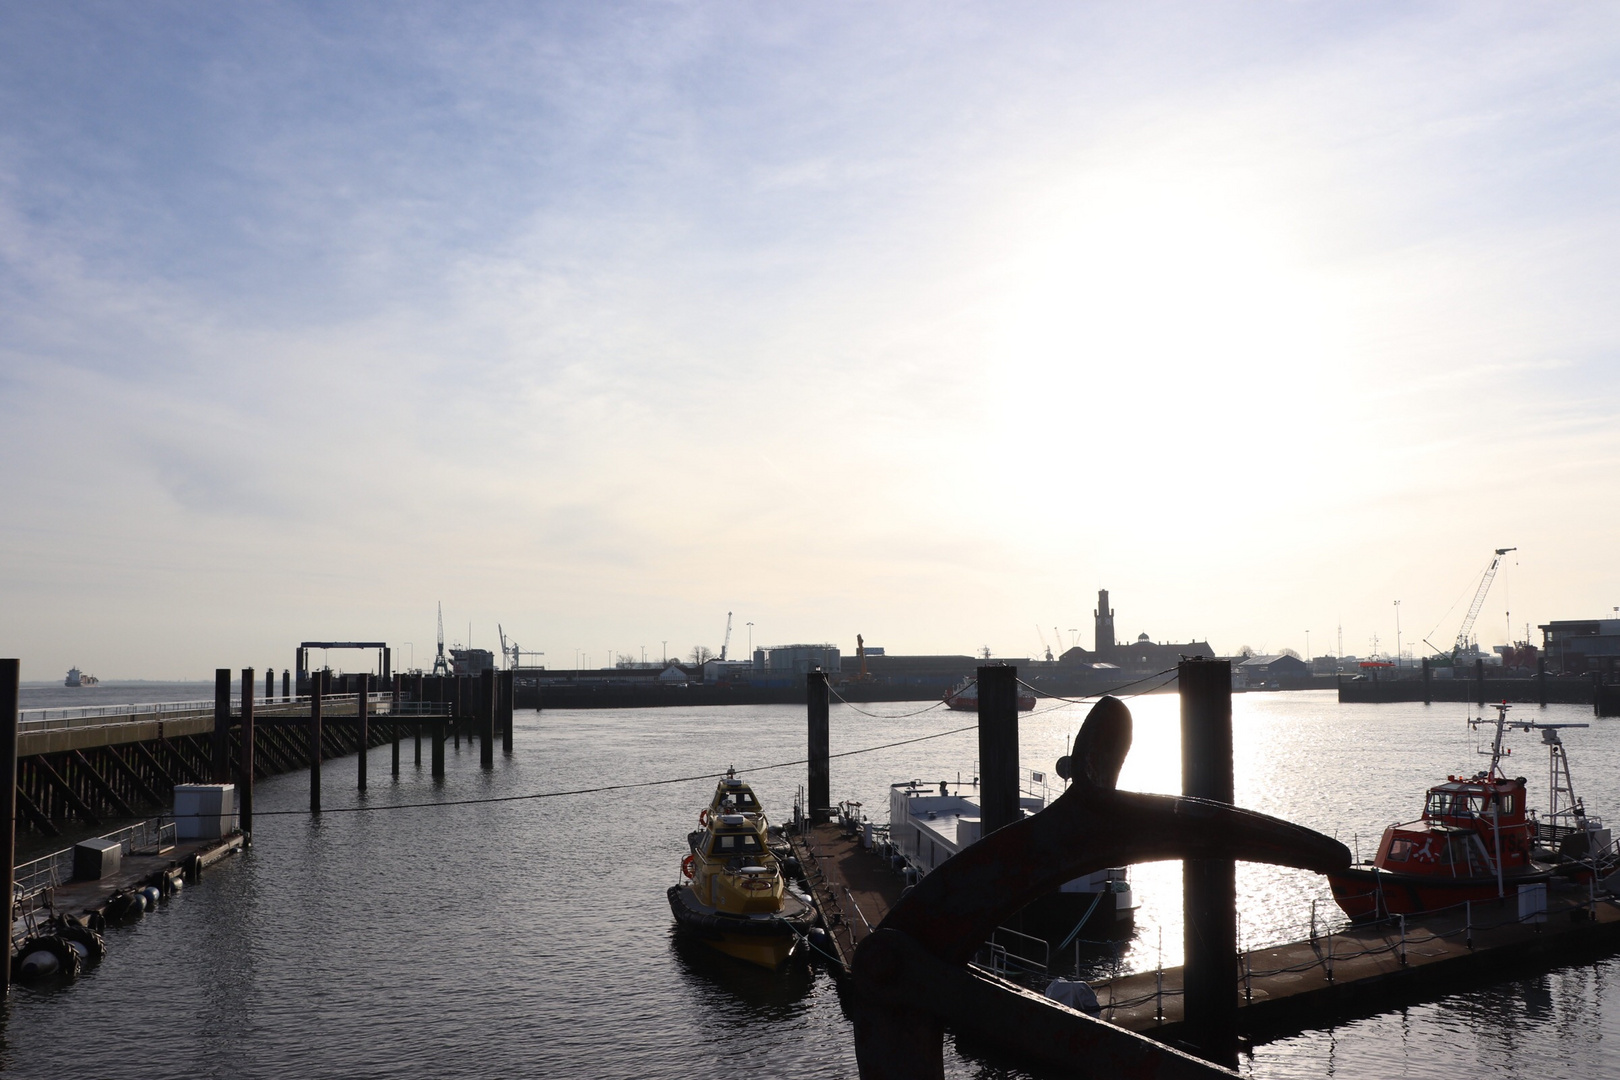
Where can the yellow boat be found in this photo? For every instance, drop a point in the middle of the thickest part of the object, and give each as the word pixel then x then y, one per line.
pixel 734 893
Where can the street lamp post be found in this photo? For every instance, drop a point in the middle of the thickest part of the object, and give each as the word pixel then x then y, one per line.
pixel 750 642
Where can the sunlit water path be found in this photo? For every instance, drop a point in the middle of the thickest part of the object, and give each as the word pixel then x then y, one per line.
pixel 533 938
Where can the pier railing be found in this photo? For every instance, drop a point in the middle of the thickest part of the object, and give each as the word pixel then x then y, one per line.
pixel 50 719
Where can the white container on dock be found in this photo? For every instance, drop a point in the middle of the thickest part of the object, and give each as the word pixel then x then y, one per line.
pixel 1533 902
pixel 204 811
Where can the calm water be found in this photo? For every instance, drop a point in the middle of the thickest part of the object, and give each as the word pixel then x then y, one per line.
pixel 533 938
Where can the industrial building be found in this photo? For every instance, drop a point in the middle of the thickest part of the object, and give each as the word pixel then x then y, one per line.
pixel 1140 656
pixel 1579 646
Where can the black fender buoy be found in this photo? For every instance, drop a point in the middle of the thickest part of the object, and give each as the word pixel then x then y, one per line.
pixel 124 906
pixel 95 947
pixel 44 957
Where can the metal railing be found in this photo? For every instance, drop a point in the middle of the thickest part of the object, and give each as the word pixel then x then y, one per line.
pixel 54 719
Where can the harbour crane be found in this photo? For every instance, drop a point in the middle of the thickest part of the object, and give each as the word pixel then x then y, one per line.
pixel 1474 608
pixel 441 664
pixel 724 645
pixel 1044 645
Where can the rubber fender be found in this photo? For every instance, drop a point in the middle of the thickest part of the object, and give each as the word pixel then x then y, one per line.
pixel 95 946
pixel 26 966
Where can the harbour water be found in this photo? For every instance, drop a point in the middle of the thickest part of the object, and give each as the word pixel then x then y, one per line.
pixel 531 937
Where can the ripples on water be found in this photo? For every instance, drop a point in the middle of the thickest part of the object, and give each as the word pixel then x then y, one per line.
pixel 533 938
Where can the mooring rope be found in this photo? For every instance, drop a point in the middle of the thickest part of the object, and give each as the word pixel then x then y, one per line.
pixel 609 787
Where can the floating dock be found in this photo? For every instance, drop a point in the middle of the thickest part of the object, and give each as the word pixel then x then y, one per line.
pixel 1285 988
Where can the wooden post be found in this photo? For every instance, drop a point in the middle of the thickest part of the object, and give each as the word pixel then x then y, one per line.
pixel 1428 683
pixel 998 748
pixel 9 719
pixel 508 708
pixel 362 723
pixel 317 690
pixel 820 792
pixel 222 726
pixel 1209 886
pixel 486 718
pixel 439 724
pixel 244 758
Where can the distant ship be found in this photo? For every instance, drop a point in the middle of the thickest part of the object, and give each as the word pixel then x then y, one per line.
pixel 964 696
pixel 75 677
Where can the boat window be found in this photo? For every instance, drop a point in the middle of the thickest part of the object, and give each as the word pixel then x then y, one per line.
pixel 734 844
pixel 1400 850
pixel 1508 801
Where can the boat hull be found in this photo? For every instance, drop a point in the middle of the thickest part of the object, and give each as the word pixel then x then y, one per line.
pixel 1369 893
pixel 767 942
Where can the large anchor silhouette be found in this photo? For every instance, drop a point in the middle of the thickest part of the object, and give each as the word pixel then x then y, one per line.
pixel 910 976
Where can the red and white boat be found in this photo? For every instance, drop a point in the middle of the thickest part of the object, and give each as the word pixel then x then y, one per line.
pixel 964 696
pixel 1477 840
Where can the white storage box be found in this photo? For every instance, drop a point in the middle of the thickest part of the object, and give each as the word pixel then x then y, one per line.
pixel 204 811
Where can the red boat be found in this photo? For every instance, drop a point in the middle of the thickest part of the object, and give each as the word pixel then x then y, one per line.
pixel 964 697
pixel 1477 840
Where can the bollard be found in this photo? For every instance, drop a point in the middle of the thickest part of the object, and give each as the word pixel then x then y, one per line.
pixel 1209 886
pixel 221 742
pixel 486 719
pixel 362 724
pixel 244 759
pixel 317 690
pixel 9 718
pixel 998 748
pixel 815 684
pixel 508 708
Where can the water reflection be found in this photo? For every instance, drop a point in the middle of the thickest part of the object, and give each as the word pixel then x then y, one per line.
pixel 739 990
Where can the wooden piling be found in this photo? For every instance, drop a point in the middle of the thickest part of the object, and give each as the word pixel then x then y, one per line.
pixel 820 790
pixel 486 719
pixel 440 691
pixel 221 742
pixel 244 758
pixel 362 722
pixel 508 708
pixel 317 690
pixel 270 684
pixel 1209 886
pixel 1428 683
pixel 286 684
pixel 998 747
pixel 9 719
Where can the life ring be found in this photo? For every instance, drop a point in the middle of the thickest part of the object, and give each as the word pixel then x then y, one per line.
pixel 703 819
pixel 686 865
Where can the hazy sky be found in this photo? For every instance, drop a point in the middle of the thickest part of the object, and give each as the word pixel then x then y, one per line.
pixel 922 321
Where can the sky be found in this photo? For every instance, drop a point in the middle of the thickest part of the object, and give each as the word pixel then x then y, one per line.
pixel 924 321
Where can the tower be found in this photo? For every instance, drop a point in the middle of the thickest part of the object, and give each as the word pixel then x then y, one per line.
pixel 1105 625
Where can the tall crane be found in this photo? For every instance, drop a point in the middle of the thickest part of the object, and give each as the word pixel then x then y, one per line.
pixel 724 645
pixel 441 665
pixel 1479 602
